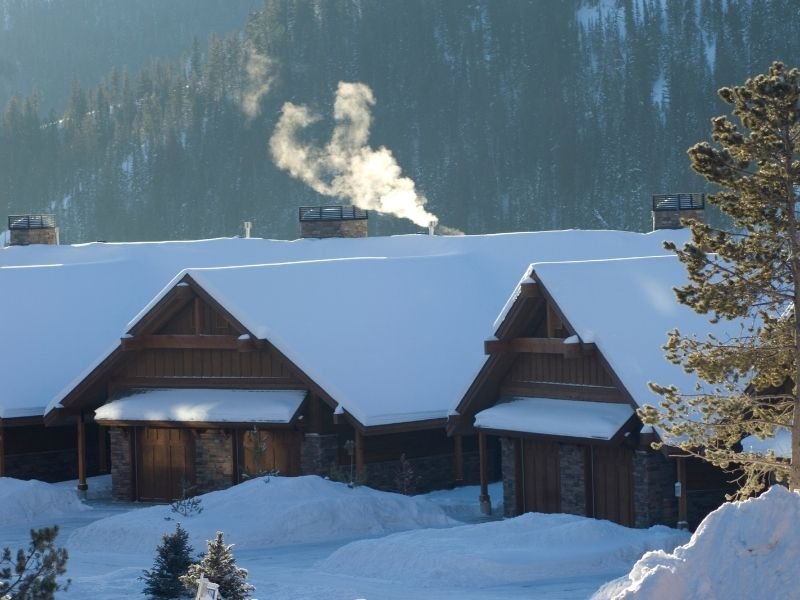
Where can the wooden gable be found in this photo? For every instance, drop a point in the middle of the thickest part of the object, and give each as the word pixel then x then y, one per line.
pixel 530 358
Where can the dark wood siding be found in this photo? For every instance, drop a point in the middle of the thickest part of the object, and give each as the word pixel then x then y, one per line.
pixel 541 476
pixel 611 489
pixel 198 317
pixel 265 451
pixel 206 363
pixel 552 368
pixel 165 463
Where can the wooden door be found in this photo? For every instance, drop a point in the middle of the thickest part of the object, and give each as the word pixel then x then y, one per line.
pixel 541 477
pixel 270 450
pixel 165 464
pixel 611 476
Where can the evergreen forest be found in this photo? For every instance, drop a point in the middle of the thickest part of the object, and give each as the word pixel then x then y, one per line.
pixel 508 115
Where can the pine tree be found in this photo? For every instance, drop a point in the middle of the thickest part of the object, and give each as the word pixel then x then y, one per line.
pixel 219 566
pixel 32 574
pixel 751 274
pixel 173 559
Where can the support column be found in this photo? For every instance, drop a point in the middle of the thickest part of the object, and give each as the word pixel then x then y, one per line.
pixel 2 451
pixel 683 505
pixel 359 453
pixel 82 485
pixel 458 457
pixel 485 501
pixel 102 449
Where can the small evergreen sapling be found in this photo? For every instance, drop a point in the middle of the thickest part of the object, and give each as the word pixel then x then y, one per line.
pixel 173 559
pixel 219 566
pixel 32 574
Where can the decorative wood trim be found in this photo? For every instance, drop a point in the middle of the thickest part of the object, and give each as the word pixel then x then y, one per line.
pixel 530 345
pixel 172 302
pixel 565 391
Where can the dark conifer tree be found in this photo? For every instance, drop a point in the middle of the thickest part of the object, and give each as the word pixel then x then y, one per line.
pixel 173 559
pixel 751 273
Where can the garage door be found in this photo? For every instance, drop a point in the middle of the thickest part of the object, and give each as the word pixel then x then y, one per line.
pixel 541 477
pixel 612 483
pixel 165 464
pixel 265 451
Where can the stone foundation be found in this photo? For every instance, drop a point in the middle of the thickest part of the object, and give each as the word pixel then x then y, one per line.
pixel 671 219
pixel 318 453
pixel 508 469
pixel 654 499
pixel 572 460
pixel 121 464
pixel 334 228
pixel 213 460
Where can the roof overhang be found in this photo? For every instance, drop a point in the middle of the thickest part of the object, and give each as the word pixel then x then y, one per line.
pixel 193 407
pixel 574 419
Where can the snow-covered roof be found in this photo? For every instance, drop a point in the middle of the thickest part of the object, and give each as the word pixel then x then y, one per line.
pixel 547 416
pixel 780 444
pixel 626 307
pixel 204 406
pixel 66 307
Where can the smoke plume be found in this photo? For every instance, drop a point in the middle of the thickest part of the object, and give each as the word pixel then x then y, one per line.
pixel 259 79
pixel 347 167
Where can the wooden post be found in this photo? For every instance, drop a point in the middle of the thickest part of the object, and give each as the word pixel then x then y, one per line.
pixel 359 453
pixel 683 505
pixel 485 501
pixel 2 451
pixel 82 485
pixel 102 449
pixel 458 457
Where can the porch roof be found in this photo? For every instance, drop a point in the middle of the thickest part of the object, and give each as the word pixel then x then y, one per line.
pixel 204 406
pixel 563 418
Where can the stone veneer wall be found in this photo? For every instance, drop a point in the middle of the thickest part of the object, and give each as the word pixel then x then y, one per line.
pixel 318 453
pixel 121 464
pixel 213 460
pixel 671 219
pixel 572 459
pixel 508 467
pixel 654 500
pixel 51 466
pixel 24 237
pixel 352 228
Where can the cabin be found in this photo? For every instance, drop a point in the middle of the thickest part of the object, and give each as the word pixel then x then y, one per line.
pixel 315 355
pixel 569 364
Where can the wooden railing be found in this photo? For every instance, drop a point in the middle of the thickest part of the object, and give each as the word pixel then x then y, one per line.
pixel 688 201
pixel 332 212
pixel 31 222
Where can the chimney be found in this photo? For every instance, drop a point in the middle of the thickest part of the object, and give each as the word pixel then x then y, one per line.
pixel 248 226
pixel 333 221
pixel 32 229
pixel 670 209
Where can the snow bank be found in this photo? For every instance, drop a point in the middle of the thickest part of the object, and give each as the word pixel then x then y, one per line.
pixel 526 549
pixel 741 550
pixel 462 503
pixel 23 501
pixel 282 511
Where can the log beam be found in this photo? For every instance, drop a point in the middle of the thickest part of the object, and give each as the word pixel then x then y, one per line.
pixel 189 342
pixel 359 450
pixel 530 345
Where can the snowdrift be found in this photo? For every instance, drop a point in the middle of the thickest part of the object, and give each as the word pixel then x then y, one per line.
pixel 23 501
pixel 280 511
pixel 741 550
pixel 530 548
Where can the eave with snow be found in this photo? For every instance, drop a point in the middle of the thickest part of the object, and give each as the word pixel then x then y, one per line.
pixel 573 352
pixel 383 334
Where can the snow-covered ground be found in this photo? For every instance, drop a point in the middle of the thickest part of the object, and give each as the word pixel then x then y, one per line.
pixel 742 550
pixel 306 537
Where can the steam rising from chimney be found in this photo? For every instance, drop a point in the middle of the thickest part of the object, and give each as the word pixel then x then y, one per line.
pixel 259 79
pixel 347 167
